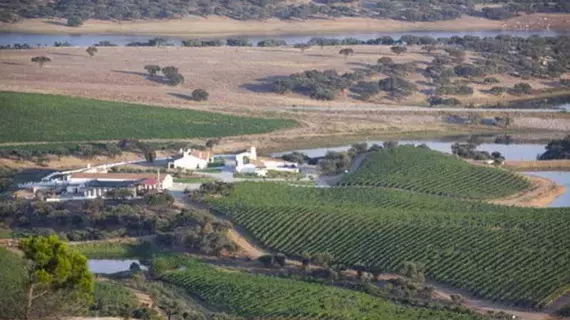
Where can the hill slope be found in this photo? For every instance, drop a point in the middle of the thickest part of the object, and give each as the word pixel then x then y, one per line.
pixel 426 171
pixel 515 255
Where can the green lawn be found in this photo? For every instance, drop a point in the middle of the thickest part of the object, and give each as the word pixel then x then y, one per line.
pixel 38 117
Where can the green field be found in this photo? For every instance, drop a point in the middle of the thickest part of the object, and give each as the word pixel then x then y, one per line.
pixel 515 255
pixel 271 298
pixel 427 171
pixel 38 117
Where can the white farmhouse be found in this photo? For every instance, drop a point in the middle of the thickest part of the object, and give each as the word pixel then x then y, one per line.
pixel 190 159
pixel 247 161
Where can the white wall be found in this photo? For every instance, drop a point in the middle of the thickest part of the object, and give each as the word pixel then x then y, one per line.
pixel 190 163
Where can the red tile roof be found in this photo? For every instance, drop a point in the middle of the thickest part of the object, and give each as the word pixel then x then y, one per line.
pixel 204 155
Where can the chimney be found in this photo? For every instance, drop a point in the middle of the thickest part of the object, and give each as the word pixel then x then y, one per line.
pixel 159 186
pixel 253 153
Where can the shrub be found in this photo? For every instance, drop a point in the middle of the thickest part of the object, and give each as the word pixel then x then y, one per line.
pixel 74 21
pixel 272 43
pixel 521 88
pixel 491 81
pixel 497 90
pixel 399 49
pixel 200 95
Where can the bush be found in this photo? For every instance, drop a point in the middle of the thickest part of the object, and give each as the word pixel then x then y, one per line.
pixel 200 95
pixel 521 88
pixel 74 21
pixel 491 81
pixel 272 43
pixel 497 90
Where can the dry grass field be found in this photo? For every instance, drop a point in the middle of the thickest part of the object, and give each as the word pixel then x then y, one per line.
pixel 234 77
pixel 214 26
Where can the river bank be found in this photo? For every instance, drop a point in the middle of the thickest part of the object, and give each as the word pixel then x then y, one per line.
pixel 543 193
pixel 214 26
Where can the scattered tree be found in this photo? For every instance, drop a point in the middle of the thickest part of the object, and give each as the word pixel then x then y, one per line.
pixel 521 88
pixel 41 60
pixel 152 69
pixel 346 52
pixel 91 51
pixel 429 48
pixel 302 46
pixel 200 95
pixel 149 155
pixel 399 49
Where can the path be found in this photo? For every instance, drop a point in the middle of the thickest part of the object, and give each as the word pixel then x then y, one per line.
pixel 404 109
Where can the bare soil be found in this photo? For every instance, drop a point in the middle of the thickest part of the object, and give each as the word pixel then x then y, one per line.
pixel 221 26
pixel 542 193
pixel 539 165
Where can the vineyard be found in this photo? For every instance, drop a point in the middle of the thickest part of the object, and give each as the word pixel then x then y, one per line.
pixel 423 170
pixel 515 255
pixel 277 298
pixel 41 117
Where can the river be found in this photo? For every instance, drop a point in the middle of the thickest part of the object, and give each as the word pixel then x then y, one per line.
pixel 525 151
pixel 110 266
pixel 122 39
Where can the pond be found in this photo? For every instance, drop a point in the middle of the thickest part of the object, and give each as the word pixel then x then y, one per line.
pixel 524 151
pixel 561 178
pixel 109 266
pixel 33 39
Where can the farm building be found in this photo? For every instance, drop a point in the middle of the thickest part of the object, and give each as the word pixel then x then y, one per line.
pixel 247 161
pixel 93 185
pixel 190 159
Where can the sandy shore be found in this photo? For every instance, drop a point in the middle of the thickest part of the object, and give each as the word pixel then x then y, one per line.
pixel 542 165
pixel 542 193
pixel 215 26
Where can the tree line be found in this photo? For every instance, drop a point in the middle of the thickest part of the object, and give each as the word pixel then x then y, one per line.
pixel 408 10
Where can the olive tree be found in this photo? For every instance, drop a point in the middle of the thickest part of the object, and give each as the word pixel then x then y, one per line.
pixel 399 49
pixel 346 52
pixel 152 69
pixel 91 51
pixel 41 60
pixel 200 95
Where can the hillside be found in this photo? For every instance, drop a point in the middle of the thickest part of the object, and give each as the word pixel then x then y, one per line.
pixel 474 246
pixel 423 170
pixel 37 117
pixel 407 10
pixel 273 298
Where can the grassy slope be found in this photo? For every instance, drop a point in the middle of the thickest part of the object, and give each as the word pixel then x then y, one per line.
pixel 427 171
pixel 12 282
pixel 262 296
pixel 516 255
pixel 38 117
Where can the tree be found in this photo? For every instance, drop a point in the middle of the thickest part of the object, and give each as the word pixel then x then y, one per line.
pixel 399 49
pixel 74 21
pixel 152 69
pixel 200 95
pixel 149 155
pixel 58 278
pixel 41 60
pixel 211 143
pixel 429 48
pixel 91 51
pixel 302 46
pixel 521 88
pixel 323 259
pixel 346 52
pixel 172 74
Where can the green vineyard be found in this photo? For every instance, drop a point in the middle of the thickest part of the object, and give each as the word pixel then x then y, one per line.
pixel 277 298
pixel 515 255
pixel 423 170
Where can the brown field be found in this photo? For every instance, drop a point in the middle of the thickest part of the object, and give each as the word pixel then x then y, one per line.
pixel 221 26
pixel 542 165
pixel 234 77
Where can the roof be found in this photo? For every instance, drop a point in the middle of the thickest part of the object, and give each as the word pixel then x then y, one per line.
pixel 110 184
pixel 149 181
pixel 114 176
pixel 204 155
